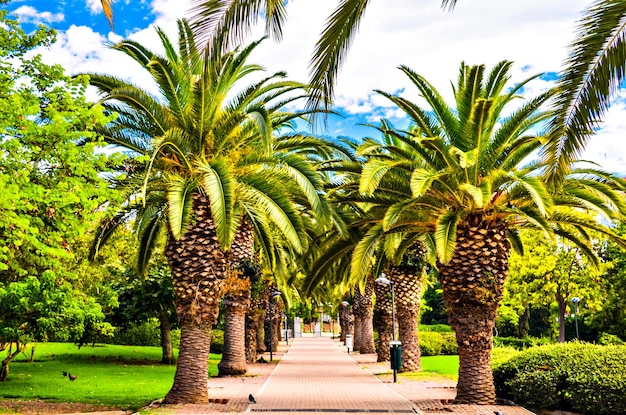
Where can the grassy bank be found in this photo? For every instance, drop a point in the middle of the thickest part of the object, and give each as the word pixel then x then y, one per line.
pixel 123 376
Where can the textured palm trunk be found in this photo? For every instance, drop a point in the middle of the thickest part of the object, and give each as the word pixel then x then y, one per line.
pixel 344 321
pixel 166 338
pixel 260 333
pixel 273 316
pixel 364 319
pixel 408 282
pixel 198 269
pixel 472 284
pixel 253 327
pixel 384 321
pixel 236 303
pixel 233 361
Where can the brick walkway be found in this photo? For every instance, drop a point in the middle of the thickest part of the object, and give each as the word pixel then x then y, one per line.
pixel 316 376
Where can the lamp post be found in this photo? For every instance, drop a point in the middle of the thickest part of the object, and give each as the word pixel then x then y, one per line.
pixel 269 310
pixel 348 340
pixel 286 330
pixel 396 350
pixel 575 301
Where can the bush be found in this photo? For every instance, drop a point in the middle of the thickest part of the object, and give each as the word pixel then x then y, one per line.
pixel 449 344
pixel 144 334
pixel 520 344
pixel 578 377
pixel 217 341
pixel 438 328
pixel 431 343
pixel 501 355
pixel 606 339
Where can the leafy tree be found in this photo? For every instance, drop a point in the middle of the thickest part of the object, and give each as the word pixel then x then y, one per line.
pixel 145 297
pixel 612 318
pixel 552 273
pixel 51 191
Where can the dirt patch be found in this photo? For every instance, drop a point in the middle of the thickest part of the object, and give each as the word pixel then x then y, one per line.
pixel 37 407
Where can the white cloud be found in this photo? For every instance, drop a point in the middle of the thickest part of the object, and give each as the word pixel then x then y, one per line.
pixel 94 6
pixel 534 35
pixel 28 14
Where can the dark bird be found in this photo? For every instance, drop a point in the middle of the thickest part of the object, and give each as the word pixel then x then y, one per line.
pixel 498 413
pixel 251 398
pixel 72 377
pixel 64 373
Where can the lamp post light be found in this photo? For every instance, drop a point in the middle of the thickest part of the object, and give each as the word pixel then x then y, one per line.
pixel 575 301
pixel 396 350
pixel 269 310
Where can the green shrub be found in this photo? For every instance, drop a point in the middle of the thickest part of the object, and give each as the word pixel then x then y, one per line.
pixel 217 341
pixel 449 344
pixel 144 334
pixel 431 343
pixel 438 328
pixel 521 344
pixel 579 377
pixel 502 354
pixel 606 339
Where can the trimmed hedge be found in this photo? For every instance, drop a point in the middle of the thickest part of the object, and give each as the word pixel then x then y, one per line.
pixel 521 344
pixel 436 343
pixel 439 328
pixel 579 377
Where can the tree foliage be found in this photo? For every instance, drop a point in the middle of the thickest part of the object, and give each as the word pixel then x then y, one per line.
pixel 51 191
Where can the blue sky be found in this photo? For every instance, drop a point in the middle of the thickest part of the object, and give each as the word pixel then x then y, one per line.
pixel 534 34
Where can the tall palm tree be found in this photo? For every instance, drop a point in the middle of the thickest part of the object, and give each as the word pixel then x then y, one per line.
pixel 470 193
pixel 205 162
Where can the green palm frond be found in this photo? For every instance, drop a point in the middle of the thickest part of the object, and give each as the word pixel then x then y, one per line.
pixel 445 236
pixel 149 236
pixel 180 201
pixel 364 253
pixel 331 49
pixel 594 69
pixel 218 183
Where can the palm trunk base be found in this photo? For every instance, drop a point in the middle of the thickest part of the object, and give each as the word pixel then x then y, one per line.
pixel 191 381
pixel 407 323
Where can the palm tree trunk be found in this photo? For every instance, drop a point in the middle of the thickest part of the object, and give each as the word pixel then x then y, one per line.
pixel 191 379
pixel 260 332
pixel 383 320
pixel 344 321
pixel 198 270
pixel 473 283
pixel 409 336
pixel 237 302
pixel 251 335
pixel 166 338
pixel 364 320
pixel 233 361
pixel 408 280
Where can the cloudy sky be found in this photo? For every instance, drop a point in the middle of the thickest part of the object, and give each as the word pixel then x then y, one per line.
pixel 534 34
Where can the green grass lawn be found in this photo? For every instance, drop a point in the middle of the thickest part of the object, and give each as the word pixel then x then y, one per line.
pixel 436 367
pixel 122 376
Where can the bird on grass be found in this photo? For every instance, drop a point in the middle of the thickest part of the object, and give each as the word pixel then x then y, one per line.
pixel 72 377
pixel 64 373
pixel 251 398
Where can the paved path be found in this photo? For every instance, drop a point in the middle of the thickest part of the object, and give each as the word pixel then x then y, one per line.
pixel 316 376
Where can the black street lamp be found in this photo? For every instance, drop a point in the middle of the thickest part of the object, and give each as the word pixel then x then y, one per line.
pixel 575 301
pixel 269 310
pixel 396 350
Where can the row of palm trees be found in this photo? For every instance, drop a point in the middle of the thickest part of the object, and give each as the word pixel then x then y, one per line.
pixel 217 168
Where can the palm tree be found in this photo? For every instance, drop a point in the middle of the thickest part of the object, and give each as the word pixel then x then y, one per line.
pixel 205 163
pixel 469 195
